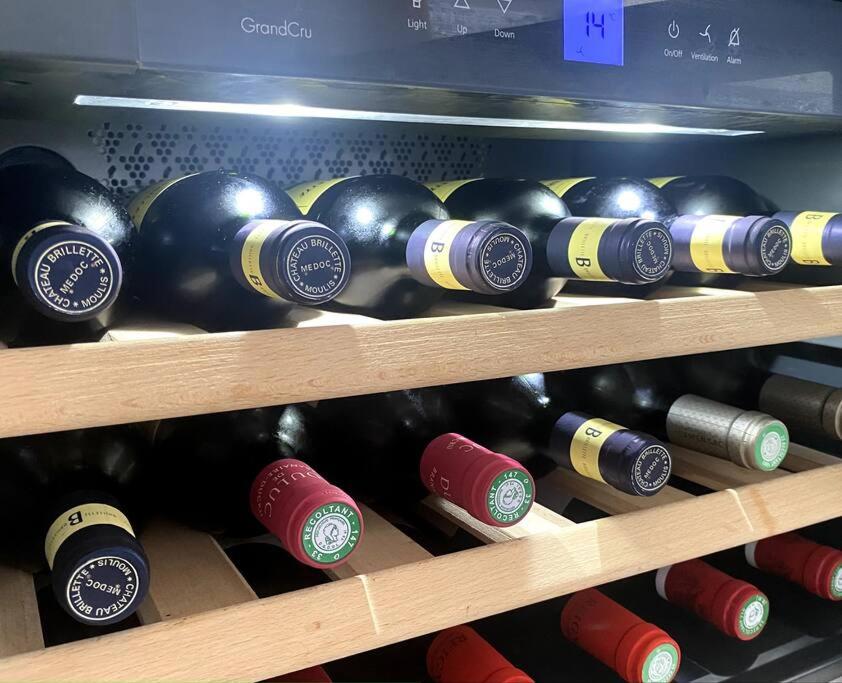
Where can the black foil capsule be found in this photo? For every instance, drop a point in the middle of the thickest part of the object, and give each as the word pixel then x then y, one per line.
pixel 630 461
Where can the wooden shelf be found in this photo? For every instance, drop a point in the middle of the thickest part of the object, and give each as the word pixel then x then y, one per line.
pixel 209 627
pixel 328 355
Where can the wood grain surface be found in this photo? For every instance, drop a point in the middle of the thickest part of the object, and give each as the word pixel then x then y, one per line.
pixel 97 384
pixel 20 624
pixel 245 642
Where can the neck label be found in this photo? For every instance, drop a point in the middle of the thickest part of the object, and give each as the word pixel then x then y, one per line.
pixel 78 518
pixel 587 444
pixel 707 243
pixel 250 255
pixel 445 188
pixel 807 232
pixel 306 194
pixel 561 186
pixel 437 254
pixel 583 249
pixel 28 235
pixel 142 202
pixel 664 180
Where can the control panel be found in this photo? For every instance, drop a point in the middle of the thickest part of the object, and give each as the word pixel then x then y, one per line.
pixel 758 55
pixel 777 56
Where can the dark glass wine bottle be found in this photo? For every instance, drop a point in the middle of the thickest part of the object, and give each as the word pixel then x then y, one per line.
pixel 613 198
pixel 626 198
pixel 724 227
pixel 716 245
pixel 630 251
pixel 225 251
pixel 407 251
pixel 713 194
pixel 231 473
pixel 647 396
pixel 72 495
pixel 736 378
pixel 533 419
pixel 33 155
pixel 399 450
pixel 63 239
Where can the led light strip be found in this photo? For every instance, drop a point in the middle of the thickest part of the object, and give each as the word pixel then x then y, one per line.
pixel 301 111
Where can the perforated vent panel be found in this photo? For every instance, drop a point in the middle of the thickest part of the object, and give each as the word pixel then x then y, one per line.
pixel 137 154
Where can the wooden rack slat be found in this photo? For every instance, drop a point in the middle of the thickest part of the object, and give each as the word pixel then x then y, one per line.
pixel 98 384
pixel 539 520
pixel 800 459
pixel 610 499
pixel 20 623
pixel 190 574
pixel 715 473
pixel 383 547
pixel 300 629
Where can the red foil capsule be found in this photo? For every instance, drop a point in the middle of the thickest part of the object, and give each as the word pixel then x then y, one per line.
pixel 319 524
pixel 490 486
pixel 315 674
pixel 735 607
pixel 816 567
pixel 638 651
pixel 461 655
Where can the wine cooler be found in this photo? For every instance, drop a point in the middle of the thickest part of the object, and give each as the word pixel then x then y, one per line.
pixel 441 341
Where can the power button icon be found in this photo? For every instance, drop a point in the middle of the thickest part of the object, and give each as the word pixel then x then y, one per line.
pixel 673 29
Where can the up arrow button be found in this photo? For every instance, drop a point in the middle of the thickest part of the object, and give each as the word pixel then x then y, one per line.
pixel 504 5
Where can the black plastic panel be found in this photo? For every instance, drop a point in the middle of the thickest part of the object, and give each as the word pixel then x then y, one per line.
pixel 753 55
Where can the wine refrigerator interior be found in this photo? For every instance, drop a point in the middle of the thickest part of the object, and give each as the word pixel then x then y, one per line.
pixel 487 341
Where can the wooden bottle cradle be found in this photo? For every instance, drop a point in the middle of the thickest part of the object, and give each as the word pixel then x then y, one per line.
pixel 204 623
pixel 330 355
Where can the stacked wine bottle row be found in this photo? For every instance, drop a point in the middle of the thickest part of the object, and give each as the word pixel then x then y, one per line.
pixel 302 472
pixel 223 251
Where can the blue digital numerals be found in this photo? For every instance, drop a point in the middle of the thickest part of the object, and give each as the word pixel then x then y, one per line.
pixel 593 31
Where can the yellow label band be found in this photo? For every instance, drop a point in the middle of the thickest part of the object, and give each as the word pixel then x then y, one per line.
pixel 445 188
pixel 707 243
pixel 305 194
pixel 28 236
pixel 563 184
pixel 807 230
pixel 586 445
pixel 583 250
pixel 142 202
pixel 78 518
pixel 437 254
pixel 660 182
pixel 250 256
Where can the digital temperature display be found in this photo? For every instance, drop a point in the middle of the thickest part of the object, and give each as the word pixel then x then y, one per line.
pixel 593 31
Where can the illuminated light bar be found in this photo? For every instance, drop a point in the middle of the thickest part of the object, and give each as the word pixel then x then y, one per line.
pixel 301 111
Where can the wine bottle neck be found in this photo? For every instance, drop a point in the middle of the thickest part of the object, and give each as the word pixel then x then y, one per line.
pixel 299 261
pixel 66 271
pixel 99 570
pixel 748 438
pixel 481 256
